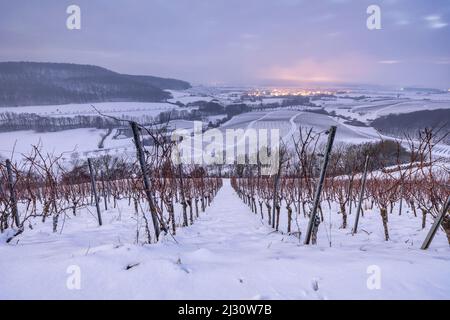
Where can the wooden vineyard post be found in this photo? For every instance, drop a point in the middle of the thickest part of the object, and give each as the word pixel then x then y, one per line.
pixel 183 199
pixel 436 224
pixel 104 190
pixel 141 159
pixel 401 202
pixel 94 191
pixel 361 195
pixel 12 193
pixel 312 218
pixel 275 190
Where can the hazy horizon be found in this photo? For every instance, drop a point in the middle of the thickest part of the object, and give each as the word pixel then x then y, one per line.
pixel 266 43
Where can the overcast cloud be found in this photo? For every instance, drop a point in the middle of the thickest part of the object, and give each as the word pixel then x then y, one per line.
pixel 249 42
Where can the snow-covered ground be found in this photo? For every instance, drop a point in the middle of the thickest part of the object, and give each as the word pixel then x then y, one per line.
pixel 229 253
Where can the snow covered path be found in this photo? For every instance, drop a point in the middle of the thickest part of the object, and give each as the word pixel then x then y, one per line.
pixel 227 254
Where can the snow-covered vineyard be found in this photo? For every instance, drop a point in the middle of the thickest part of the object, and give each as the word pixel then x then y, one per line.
pixel 148 227
pixel 228 253
pixel 216 156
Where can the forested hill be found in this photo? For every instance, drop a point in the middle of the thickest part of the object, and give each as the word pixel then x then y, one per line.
pixel 411 123
pixel 34 83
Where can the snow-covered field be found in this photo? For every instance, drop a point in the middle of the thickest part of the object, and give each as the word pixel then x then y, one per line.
pixel 85 141
pixel 374 105
pixel 229 253
pixel 68 141
pixel 370 110
pixel 71 143
pixel 186 96
pixel 289 122
pixel 116 109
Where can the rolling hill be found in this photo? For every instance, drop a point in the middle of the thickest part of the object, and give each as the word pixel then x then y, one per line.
pixel 34 83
